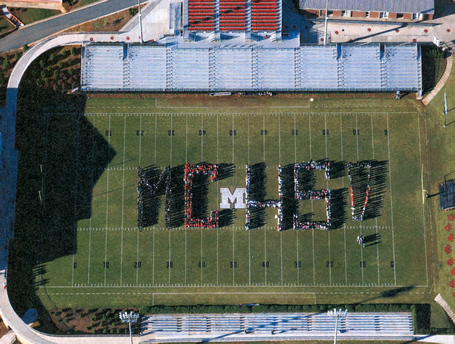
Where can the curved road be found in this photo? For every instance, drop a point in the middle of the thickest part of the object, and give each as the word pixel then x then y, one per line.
pixel 36 32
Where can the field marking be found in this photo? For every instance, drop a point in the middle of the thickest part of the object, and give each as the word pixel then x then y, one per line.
pixel 279 159
pixel 207 107
pixel 235 293
pixel 186 160
pixel 140 153
pixel 170 165
pixel 377 232
pixel 202 159
pixel 360 222
pixel 249 232
pixel 217 197
pixel 342 184
pixel 92 186
pixel 153 257
pixel 76 182
pixel 265 232
pixel 312 207
pixel 123 199
pixel 107 204
pixel 391 203
pixel 297 239
pixel 156 126
pixel 423 204
pixel 327 184
pixel 233 232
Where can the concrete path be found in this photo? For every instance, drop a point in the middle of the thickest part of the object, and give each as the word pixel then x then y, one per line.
pixel 440 83
pixel 38 31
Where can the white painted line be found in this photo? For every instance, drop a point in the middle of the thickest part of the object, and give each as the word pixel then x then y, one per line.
pixel 76 193
pixel 423 204
pixel 391 204
pixel 377 232
pixel 123 199
pixel 107 202
pixel 360 223
pixel 91 183
pixel 342 183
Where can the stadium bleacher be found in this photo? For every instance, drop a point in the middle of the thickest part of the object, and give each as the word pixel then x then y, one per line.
pixel 201 15
pixel 251 68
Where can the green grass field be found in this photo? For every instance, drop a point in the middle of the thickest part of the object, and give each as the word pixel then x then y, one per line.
pixel 89 184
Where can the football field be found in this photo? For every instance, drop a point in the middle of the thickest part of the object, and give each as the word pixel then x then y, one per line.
pixel 96 155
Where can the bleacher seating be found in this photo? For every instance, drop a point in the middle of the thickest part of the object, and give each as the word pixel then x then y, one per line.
pixel 319 67
pixel 146 68
pixel 201 15
pixel 402 64
pixel 190 68
pixel 103 67
pixel 361 67
pixel 275 68
pixel 360 324
pixel 232 15
pixel 264 15
pixel 233 69
pixel 248 67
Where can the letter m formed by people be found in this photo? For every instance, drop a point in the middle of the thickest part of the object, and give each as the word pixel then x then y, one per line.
pixel 237 198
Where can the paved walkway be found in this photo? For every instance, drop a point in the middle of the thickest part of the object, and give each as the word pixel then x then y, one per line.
pixel 440 83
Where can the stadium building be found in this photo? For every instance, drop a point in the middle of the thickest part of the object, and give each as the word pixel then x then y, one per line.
pixel 237 45
pixel 372 9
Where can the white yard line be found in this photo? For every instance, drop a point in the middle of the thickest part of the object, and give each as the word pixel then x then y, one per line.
pixel 233 232
pixel 312 208
pixel 91 183
pixel 202 159
pixel 249 232
pixel 107 202
pixel 423 205
pixel 186 160
pixel 137 259
pixel 377 231
pixel 217 197
pixel 123 198
pixel 391 204
pixel 75 196
pixel 342 184
pixel 279 159
pixel 360 223
pixel 297 234
pixel 156 127
pixel 170 165
pixel 327 183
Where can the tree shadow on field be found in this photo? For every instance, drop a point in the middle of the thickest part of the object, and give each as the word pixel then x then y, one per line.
pixel 61 158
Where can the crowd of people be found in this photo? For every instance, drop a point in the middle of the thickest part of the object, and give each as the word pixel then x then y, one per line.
pixel 312 195
pixel 262 204
pixel 362 164
pixel 190 171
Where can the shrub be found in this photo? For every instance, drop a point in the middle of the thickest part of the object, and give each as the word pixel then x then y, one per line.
pixel 111 331
pixel 60 64
pixel 16 55
pixel 94 331
pixel 55 73
pixel 104 331
pixel 41 63
pixel 43 75
pixel 73 51
pixel 6 63
pixel 51 57
pixel 49 69
pixel 25 47
pixel 64 52
pixel 118 330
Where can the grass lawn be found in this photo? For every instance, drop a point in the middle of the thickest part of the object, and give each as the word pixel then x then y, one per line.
pixel 5 25
pixel 93 255
pixel 31 15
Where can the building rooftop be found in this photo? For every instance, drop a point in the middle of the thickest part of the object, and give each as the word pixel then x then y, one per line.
pixel 398 6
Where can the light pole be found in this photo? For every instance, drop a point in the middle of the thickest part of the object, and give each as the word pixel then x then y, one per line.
pixel 140 21
pixel 337 313
pixel 326 19
pixel 129 318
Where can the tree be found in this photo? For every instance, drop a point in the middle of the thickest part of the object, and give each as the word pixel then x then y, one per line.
pixel 25 47
pixel 43 75
pixel 73 51
pixel 16 55
pixel 6 63
pixel 41 63
pixel 70 71
pixel 51 57
pixel 60 64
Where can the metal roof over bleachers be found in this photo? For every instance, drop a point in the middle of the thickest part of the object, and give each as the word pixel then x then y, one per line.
pixel 371 67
